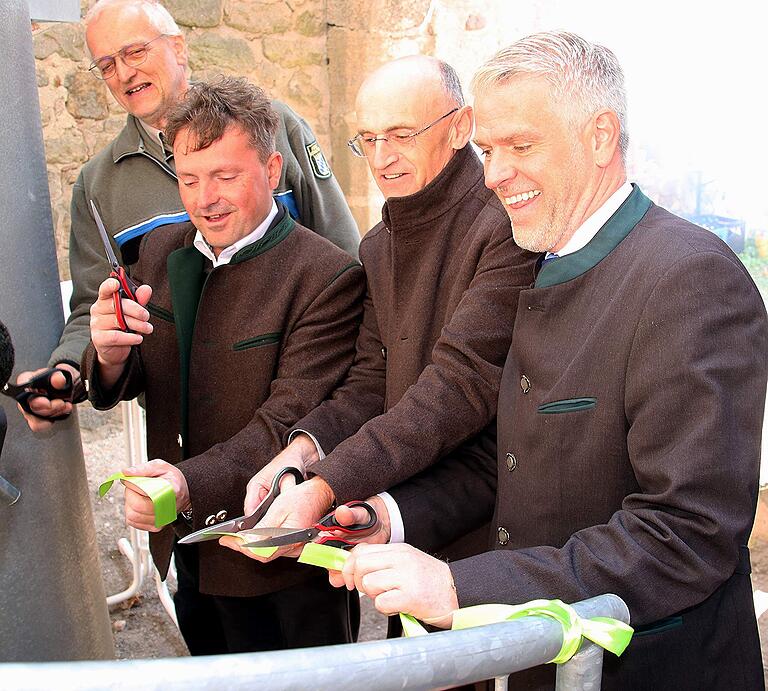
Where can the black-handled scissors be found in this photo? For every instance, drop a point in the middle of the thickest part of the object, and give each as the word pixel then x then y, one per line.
pixel 40 385
pixel 127 287
pixel 278 537
pixel 237 525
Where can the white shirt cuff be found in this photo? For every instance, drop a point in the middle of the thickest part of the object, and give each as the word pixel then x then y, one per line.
pixel 320 452
pixel 396 527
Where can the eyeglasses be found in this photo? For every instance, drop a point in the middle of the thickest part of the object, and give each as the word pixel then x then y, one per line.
pixel 132 55
pixel 361 145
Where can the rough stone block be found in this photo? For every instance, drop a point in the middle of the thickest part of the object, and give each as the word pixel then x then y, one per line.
pixel 288 52
pixel 202 13
pixel 258 17
pixel 225 54
pixel 86 97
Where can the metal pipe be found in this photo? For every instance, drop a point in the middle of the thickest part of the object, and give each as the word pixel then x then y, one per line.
pixel 52 600
pixel 583 671
pixel 424 662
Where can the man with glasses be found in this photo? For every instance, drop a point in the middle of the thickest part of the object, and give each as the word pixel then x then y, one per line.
pixel 140 53
pixel 444 274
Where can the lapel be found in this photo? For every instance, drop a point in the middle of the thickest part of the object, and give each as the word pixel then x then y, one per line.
pixel 616 228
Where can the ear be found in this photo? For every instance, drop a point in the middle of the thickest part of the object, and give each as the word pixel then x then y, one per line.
pixel 461 129
pixel 274 168
pixel 179 44
pixel 606 131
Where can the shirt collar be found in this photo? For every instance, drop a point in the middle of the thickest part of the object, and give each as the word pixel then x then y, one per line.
pixel 154 133
pixel 225 256
pixel 587 230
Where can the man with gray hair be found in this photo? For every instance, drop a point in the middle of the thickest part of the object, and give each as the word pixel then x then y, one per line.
pixel 140 53
pixel 253 323
pixel 631 401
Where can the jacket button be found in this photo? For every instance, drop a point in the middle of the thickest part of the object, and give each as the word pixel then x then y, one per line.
pixel 384 353
pixel 503 536
pixel 511 462
pixel 221 515
pixel 210 520
pixel 179 440
pixel 525 384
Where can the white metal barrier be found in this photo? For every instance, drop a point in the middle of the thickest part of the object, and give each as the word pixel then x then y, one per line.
pixel 438 660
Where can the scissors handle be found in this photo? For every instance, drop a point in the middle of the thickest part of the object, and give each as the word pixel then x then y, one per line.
pixel 329 522
pixel 40 385
pixel 249 522
pixel 126 289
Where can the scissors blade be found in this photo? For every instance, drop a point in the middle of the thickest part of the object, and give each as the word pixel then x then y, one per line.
pixel 104 238
pixel 213 532
pixel 282 536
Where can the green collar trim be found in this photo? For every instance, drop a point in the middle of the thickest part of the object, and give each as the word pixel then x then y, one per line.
pixel 617 227
pixel 186 277
pixel 281 228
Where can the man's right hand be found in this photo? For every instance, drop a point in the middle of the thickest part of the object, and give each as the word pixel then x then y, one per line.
pixel 44 406
pixel 112 344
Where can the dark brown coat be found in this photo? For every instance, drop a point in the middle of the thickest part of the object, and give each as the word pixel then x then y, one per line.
pixel 272 334
pixel 444 275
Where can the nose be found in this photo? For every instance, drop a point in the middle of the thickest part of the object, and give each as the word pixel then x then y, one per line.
pixel 498 171
pixel 384 154
pixel 207 194
pixel 123 72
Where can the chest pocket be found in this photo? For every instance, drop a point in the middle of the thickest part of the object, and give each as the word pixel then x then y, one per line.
pixel 258 341
pixel 567 405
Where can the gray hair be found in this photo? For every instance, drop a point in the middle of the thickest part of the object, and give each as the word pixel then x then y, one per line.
pixel 158 16
pixel 585 75
pixel 451 82
pixel 209 108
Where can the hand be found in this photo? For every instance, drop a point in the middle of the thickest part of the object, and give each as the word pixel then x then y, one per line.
pixel 297 507
pixel 300 453
pixel 139 511
pixel 378 535
pixel 42 405
pixel 112 344
pixel 401 578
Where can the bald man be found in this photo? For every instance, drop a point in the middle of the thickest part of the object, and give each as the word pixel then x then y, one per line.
pixel 444 274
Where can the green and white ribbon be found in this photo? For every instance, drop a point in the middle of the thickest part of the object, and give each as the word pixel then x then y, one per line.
pixel 610 634
pixel 158 490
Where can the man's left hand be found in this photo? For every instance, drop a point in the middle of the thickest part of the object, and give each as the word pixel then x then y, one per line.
pixel 139 511
pixel 401 578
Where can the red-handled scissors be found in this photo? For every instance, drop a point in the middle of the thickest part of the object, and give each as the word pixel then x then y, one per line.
pixel 127 287
pixel 277 537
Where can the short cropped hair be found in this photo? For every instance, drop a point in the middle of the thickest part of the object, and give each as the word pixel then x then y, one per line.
pixel 584 75
pixel 209 108
pixel 451 83
pixel 159 17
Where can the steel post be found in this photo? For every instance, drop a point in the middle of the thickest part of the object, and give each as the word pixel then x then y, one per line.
pixel 438 660
pixel 52 601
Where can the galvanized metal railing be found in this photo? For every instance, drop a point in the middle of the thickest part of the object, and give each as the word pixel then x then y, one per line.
pixel 439 660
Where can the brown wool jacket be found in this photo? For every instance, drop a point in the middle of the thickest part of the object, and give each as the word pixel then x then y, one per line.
pixel 272 335
pixel 444 275
pixel 629 430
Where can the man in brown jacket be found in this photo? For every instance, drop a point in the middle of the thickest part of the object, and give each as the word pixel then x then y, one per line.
pixel 444 275
pixel 631 402
pixel 254 319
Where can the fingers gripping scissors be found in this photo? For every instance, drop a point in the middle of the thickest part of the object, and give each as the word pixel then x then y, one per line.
pixel 278 537
pixel 127 287
pixel 40 385
pixel 241 523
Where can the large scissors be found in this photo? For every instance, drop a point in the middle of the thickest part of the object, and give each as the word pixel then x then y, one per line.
pixel 40 385
pixel 278 537
pixel 127 288
pixel 241 523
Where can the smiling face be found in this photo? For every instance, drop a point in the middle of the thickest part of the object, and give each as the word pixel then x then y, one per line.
pixel 151 89
pixel 542 166
pixel 388 103
pixel 226 188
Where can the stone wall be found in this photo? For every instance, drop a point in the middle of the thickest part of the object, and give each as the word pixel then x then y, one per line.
pixel 312 54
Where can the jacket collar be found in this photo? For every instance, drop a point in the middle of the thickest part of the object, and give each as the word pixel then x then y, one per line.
pixel 617 227
pixel 446 191
pixel 133 140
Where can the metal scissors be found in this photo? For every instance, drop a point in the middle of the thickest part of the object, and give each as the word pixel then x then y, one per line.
pixel 277 537
pixel 127 287
pixel 40 385
pixel 237 525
